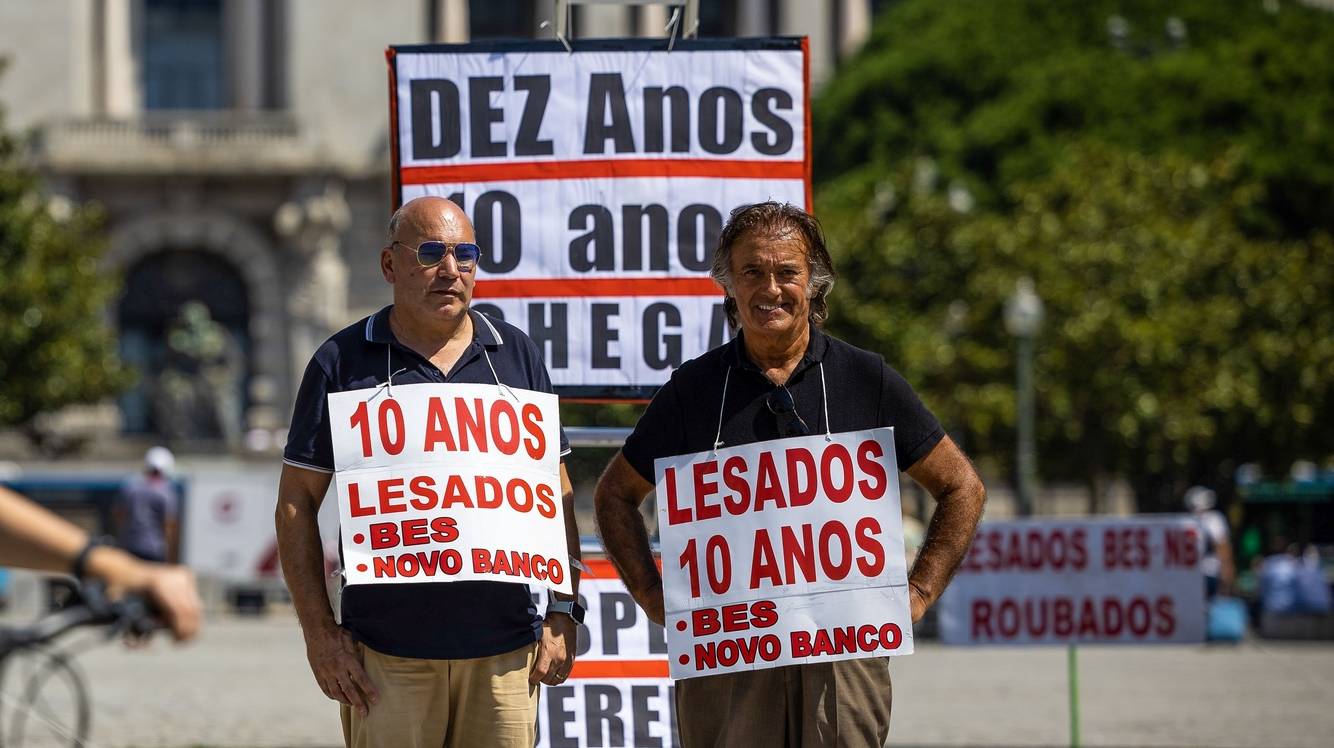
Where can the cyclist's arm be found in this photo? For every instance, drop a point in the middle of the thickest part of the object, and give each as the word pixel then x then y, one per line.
pixel 34 538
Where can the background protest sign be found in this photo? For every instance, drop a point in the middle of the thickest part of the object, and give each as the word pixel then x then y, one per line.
pixel 783 552
pixel 598 182
pixel 618 693
pixel 449 482
pixel 1131 580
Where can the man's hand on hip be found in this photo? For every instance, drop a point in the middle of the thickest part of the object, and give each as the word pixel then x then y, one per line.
pixel 335 661
pixel 555 653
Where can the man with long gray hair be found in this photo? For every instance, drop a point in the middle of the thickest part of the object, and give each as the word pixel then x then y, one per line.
pixel 781 377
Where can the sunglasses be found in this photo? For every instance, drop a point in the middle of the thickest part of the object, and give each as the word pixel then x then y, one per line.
pixel 432 253
pixel 780 404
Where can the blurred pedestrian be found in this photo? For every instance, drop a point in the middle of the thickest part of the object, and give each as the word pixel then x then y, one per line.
pixel 1217 564
pixel 146 511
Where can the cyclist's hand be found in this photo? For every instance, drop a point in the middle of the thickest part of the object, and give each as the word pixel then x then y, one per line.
pixel 172 590
pixel 335 661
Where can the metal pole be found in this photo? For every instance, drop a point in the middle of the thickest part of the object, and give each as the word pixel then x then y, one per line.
pixel 1027 457
pixel 1073 666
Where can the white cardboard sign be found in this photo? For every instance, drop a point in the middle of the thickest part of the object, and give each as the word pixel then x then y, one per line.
pixel 783 552
pixel 598 181
pixel 1130 580
pixel 449 482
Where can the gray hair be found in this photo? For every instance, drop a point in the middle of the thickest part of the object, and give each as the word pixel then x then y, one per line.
pixel 774 219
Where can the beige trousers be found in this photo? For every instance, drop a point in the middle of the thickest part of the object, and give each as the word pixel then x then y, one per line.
pixel 843 704
pixel 485 701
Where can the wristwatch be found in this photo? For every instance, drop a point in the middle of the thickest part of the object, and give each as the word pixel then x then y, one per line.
pixel 571 608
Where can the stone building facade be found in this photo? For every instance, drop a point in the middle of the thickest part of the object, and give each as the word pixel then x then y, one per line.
pixel 239 149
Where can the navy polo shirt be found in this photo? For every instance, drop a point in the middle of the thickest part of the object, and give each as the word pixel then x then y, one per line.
pixel 862 391
pixel 445 620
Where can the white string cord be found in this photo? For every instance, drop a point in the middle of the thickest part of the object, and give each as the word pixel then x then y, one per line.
pixel 824 394
pixel 718 437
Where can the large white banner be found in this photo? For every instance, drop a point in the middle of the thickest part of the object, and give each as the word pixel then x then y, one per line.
pixel 1131 580
pixel 783 552
pixel 618 694
pixel 449 482
pixel 598 182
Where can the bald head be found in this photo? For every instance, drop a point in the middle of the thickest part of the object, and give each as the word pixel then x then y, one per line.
pixel 422 216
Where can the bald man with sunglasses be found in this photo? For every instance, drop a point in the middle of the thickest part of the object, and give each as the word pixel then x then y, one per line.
pixel 425 664
pixel 784 377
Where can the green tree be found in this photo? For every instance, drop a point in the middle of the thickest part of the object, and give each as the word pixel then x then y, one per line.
pixel 992 89
pixel 55 347
pixel 1175 344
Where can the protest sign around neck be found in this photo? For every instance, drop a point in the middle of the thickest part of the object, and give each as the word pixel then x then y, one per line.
pixel 449 482
pixel 783 552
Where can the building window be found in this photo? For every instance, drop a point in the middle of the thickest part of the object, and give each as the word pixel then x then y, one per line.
pixel 184 65
pixel 501 19
pixel 184 326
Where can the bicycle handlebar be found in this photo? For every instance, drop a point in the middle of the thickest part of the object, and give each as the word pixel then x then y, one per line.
pixel 131 615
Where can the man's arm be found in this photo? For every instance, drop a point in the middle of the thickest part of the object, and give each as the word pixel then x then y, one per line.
pixel 560 633
pixel 34 538
pixel 334 659
pixel 950 478
pixel 616 502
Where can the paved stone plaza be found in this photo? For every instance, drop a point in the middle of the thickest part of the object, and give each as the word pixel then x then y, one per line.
pixel 245 683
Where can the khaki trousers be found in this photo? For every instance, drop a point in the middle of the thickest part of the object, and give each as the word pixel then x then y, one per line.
pixel 843 704
pixel 485 701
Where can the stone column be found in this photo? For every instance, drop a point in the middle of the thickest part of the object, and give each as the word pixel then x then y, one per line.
pixel 121 96
pixel 752 18
pixel 814 20
pixel 244 25
pixel 652 21
pixel 854 26
pixel 602 21
pixel 312 224
pixel 454 21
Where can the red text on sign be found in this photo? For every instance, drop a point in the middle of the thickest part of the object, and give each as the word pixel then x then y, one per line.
pixel 517 564
pixel 413 532
pixel 733 618
pixel 729 652
pixel 846 639
pixel 1072 618
pixel 802 477
pixel 477 425
pixel 429 494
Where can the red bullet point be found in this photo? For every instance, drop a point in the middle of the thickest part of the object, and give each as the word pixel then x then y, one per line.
pixel 685 659
pixel 358 538
pixel 680 625
pixel 361 567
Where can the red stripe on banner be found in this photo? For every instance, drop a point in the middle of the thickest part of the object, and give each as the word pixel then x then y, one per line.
pixel 567 287
pixel 619 669
pixel 605 168
pixel 807 173
pixel 396 184
pixel 600 568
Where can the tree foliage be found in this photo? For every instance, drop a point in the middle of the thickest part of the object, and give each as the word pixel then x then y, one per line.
pixel 1163 171
pixel 1174 344
pixel 992 89
pixel 55 348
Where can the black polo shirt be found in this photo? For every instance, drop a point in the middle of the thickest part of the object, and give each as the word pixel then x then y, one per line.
pixel 454 620
pixel 863 393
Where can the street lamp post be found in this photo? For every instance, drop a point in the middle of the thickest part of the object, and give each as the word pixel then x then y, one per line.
pixel 1023 317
